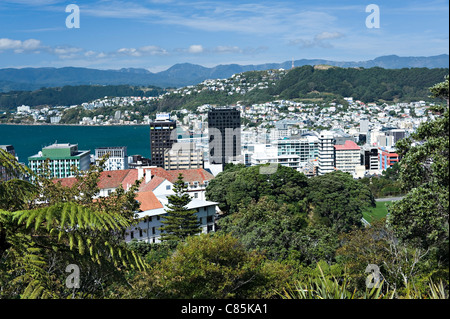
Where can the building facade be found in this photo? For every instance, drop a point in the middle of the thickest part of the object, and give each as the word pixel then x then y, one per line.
pixel 154 210
pixel 326 153
pixel 162 137
pixel 305 147
pixel 224 135
pixel 369 158
pixel 387 158
pixel 117 160
pixel 347 157
pixel 183 156
pixel 62 158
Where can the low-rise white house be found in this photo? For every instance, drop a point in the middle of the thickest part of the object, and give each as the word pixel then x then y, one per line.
pixel 156 185
pixel 153 210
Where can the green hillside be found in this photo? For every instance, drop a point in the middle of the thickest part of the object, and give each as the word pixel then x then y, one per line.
pixel 72 95
pixel 307 82
pixel 367 85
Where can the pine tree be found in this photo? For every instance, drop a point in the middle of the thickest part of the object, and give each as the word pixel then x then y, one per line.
pixel 180 222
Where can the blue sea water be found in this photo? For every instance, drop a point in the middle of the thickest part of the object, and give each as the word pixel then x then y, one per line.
pixel 28 140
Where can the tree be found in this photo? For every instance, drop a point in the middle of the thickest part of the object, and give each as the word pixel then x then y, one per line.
pixel 211 266
pixel 421 217
pixel 39 239
pixel 265 226
pixel 180 222
pixel 336 200
pixel 441 90
pixel 240 186
pixel 400 265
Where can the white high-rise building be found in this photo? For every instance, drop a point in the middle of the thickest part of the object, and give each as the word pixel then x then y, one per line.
pixel 326 153
pixel 347 157
pixel 117 160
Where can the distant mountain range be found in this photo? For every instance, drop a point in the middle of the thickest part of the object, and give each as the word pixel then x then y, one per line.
pixel 183 74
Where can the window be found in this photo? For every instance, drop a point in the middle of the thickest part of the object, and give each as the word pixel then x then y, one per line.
pixel 140 232
pixel 195 195
pixel 131 235
pixel 168 187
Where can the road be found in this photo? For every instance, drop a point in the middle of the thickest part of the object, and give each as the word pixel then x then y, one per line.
pixel 387 199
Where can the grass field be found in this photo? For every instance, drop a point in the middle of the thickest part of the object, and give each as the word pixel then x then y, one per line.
pixel 376 213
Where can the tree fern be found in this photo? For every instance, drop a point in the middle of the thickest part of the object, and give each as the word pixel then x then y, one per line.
pixel 71 230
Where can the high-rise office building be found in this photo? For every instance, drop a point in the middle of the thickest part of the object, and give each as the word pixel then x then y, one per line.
pixel 62 158
pixel 326 153
pixel 162 137
pixel 224 130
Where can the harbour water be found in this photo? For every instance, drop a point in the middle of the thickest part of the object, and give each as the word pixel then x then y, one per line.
pixel 29 139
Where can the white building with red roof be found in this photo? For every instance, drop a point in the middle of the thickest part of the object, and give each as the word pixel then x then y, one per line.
pixel 156 185
pixel 347 157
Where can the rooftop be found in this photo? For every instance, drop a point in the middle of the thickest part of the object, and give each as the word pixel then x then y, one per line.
pixel 348 146
pixel 60 145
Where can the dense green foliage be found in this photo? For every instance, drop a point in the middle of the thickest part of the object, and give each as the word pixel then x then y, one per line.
pixel 386 185
pixel 211 266
pixel 422 218
pixel 337 200
pixel 45 227
pixel 287 215
pixel 240 186
pixel 368 85
pixel 72 95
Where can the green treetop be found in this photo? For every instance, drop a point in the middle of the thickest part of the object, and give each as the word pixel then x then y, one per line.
pixel 180 222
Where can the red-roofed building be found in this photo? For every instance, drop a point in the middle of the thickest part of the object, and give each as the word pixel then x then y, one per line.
pixel 152 195
pixel 197 180
pixel 148 201
pixel 347 157
pixel 155 179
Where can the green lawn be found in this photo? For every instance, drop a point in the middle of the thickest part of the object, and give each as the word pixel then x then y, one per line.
pixel 376 213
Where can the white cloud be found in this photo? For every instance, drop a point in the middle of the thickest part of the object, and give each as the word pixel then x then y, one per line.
pixel 227 49
pixel 34 2
pixel 19 46
pixel 142 51
pixel 328 35
pixel 195 48
pixel 319 40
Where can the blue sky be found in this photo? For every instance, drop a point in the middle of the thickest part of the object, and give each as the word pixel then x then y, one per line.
pixel 155 34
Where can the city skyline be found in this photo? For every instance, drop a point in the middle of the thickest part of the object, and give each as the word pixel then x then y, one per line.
pixel 158 34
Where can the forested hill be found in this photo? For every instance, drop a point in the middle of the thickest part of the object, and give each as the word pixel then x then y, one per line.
pixel 306 82
pixel 72 95
pixel 367 85
pixel 319 83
